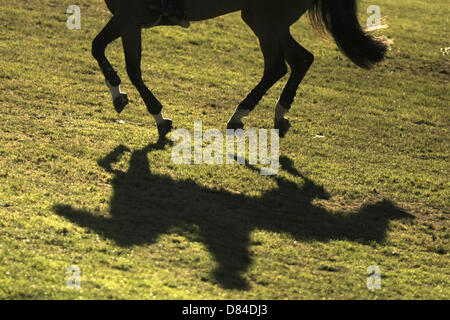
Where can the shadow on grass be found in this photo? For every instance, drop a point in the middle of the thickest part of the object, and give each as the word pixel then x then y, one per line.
pixel 145 205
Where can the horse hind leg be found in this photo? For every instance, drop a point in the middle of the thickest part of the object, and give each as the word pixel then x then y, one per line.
pixel 274 69
pixel 113 30
pixel 132 45
pixel 300 60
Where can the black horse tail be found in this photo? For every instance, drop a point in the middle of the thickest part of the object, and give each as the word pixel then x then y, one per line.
pixel 339 18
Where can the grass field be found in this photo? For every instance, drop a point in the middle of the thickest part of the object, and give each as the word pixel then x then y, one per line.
pixel 373 191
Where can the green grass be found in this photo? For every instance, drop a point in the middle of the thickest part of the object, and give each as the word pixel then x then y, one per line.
pixel 374 191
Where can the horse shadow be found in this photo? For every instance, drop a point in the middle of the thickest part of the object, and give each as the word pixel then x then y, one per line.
pixel 145 205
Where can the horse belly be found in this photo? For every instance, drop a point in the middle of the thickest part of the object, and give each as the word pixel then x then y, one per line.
pixel 197 10
pixel 271 16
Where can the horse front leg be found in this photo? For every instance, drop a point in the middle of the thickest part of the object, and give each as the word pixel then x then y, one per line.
pixel 274 69
pixel 132 45
pixel 113 30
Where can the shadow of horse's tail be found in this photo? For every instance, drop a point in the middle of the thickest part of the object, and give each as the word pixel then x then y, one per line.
pixel 101 225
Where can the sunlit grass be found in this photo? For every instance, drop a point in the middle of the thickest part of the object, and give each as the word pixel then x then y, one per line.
pixel 373 191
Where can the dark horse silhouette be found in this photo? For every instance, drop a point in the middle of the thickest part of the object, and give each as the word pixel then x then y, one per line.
pixel 145 205
pixel 270 20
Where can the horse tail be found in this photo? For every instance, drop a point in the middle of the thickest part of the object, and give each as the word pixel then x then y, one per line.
pixel 339 18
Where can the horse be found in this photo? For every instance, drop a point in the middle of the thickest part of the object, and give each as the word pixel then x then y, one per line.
pixel 270 21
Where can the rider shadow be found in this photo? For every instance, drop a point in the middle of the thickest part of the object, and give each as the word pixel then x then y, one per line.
pixel 146 205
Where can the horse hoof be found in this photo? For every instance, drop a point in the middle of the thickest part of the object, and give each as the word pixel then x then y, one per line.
pixel 164 128
pixel 120 102
pixel 283 126
pixel 235 125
